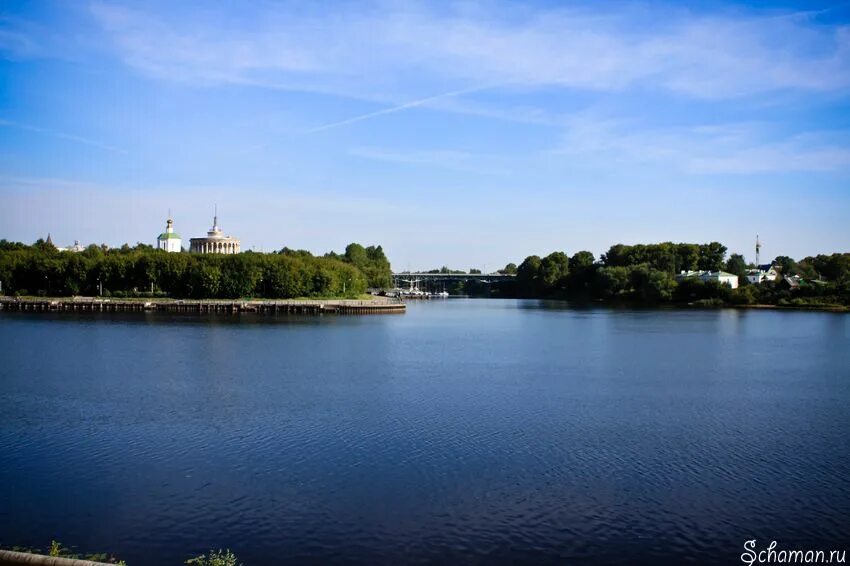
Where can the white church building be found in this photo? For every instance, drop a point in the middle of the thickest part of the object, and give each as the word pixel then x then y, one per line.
pixel 169 240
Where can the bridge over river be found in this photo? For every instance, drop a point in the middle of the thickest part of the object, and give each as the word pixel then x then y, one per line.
pixel 436 281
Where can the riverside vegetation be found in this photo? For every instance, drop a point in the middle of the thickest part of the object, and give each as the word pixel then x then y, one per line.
pixel 212 558
pixel 646 274
pixel 58 550
pixel 142 271
pixel 641 274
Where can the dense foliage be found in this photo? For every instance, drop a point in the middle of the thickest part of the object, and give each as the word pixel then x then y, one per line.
pixel 647 274
pixel 143 271
pixel 215 558
pixel 370 261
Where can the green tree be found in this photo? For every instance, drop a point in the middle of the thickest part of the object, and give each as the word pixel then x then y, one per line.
pixel 616 256
pixel 711 256
pixel 205 277
pixel 582 275
pixel 372 262
pixel 786 264
pixel 554 269
pixel 286 279
pixel 737 266
pixel 239 276
pixel 379 272
pixel 356 254
pixel 687 257
pixel 651 285
pixel 612 282
pixel 582 260
pixel 835 267
pixel 74 271
pixel 529 282
pixel 806 269
pixel 44 247
pixel 6 245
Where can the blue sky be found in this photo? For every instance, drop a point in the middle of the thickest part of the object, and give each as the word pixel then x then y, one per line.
pixel 469 134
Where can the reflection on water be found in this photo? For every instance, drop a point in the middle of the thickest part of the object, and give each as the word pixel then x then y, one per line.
pixel 471 431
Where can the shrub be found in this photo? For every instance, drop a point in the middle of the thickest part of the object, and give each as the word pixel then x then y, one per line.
pixel 215 558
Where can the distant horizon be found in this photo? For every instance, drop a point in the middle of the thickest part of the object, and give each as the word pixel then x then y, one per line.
pixel 765 256
pixel 466 134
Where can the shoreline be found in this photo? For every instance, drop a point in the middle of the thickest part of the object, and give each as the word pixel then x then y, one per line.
pixel 373 305
pixel 821 308
pixel 693 306
pixel 378 305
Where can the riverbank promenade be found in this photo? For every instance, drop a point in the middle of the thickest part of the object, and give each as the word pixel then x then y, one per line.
pixel 377 305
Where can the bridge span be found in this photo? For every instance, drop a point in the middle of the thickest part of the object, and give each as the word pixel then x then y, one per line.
pixel 440 281
pixel 484 277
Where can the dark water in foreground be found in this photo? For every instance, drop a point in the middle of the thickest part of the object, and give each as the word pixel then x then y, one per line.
pixel 463 431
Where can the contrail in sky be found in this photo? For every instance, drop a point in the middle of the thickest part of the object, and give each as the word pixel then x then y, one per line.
pixel 399 108
pixel 61 135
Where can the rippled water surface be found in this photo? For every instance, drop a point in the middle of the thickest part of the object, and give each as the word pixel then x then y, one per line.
pixel 462 431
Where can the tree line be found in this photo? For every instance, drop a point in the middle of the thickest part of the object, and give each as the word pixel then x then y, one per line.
pixel 646 273
pixel 40 269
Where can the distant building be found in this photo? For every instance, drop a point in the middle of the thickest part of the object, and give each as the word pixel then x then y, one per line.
pixel 76 248
pixel 169 240
pixel 762 273
pixel 755 276
pixel 215 242
pixel 790 282
pixel 722 277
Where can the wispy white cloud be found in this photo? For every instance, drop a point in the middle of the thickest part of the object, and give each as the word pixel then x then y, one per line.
pixel 17 37
pixel 734 148
pixel 61 135
pixel 416 157
pixel 457 160
pixel 806 153
pixel 668 87
pixel 390 51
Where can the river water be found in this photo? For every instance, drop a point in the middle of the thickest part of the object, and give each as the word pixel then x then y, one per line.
pixel 464 431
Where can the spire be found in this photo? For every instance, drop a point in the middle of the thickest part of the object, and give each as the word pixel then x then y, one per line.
pixel 215 231
pixel 49 239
